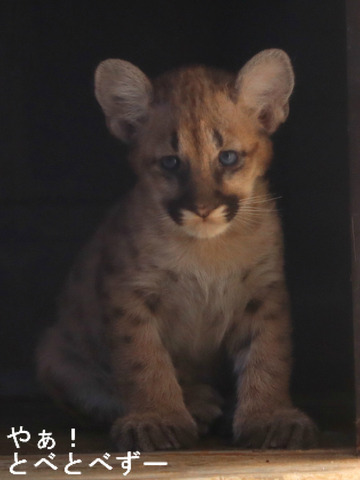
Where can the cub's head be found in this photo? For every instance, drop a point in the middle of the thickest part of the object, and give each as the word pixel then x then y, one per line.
pixel 199 137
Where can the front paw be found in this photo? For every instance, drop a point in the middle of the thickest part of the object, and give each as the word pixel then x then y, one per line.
pixel 154 431
pixel 285 428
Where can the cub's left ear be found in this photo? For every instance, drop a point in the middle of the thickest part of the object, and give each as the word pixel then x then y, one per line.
pixel 264 85
pixel 124 93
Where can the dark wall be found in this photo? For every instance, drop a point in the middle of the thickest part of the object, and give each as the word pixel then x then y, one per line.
pixel 60 169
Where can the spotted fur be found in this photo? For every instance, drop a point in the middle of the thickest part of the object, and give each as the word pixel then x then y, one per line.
pixel 187 270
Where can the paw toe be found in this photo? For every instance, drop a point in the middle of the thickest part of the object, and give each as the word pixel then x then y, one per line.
pixel 152 432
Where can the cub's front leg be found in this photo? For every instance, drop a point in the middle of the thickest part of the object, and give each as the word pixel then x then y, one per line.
pixel 155 416
pixel 264 415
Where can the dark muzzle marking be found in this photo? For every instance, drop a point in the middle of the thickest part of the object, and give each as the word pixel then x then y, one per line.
pixel 184 202
pixel 187 202
pixel 231 202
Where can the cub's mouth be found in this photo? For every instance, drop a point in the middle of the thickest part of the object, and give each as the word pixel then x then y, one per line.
pixel 203 221
pixel 207 226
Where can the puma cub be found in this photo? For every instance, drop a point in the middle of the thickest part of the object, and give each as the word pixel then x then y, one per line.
pixel 187 270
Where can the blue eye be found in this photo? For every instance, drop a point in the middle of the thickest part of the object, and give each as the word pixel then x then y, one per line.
pixel 171 162
pixel 228 158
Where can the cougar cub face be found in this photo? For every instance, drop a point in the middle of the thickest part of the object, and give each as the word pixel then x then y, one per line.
pixel 201 167
pixel 199 137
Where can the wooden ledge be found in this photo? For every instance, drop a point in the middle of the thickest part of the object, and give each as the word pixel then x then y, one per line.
pixel 329 464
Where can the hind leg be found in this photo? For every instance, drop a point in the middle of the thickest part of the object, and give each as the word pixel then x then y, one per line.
pixel 75 379
pixel 204 405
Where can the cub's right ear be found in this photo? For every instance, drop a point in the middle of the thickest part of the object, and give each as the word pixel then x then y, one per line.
pixel 124 93
pixel 265 84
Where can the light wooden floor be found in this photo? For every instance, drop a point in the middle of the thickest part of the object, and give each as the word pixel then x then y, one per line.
pixel 214 459
pixel 212 465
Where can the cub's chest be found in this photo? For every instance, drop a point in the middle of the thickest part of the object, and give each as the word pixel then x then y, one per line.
pixel 197 309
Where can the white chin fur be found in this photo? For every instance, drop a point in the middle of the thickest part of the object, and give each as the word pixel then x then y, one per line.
pixel 208 227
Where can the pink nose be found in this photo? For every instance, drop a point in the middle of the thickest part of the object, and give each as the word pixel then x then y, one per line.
pixel 203 212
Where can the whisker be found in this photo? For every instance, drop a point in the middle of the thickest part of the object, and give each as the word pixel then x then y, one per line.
pixel 252 200
pixel 247 220
pixel 257 207
pixel 257 210
pixel 266 195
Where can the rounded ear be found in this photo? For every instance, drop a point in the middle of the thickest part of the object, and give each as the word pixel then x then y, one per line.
pixel 264 85
pixel 124 93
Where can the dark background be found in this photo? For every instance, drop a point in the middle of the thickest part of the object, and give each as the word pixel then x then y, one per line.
pixel 60 169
